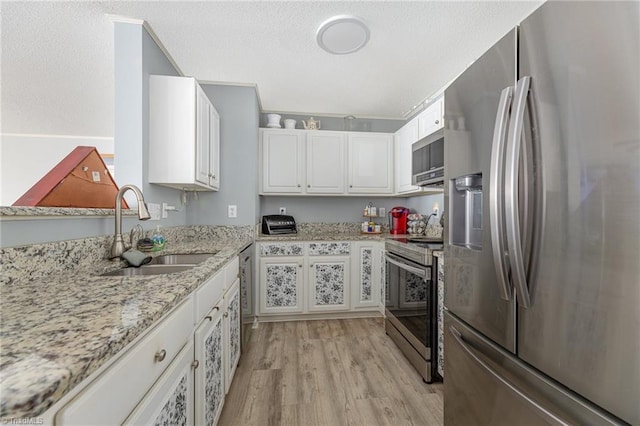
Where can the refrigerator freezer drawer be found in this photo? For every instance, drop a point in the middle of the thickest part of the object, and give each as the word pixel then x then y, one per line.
pixel 488 386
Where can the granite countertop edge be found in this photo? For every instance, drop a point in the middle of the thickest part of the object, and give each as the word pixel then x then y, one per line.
pixel 323 236
pixel 44 355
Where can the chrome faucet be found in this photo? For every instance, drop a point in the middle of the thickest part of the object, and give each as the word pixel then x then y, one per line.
pixel 119 246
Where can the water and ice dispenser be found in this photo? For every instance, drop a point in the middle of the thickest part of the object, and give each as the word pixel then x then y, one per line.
pixel 465 205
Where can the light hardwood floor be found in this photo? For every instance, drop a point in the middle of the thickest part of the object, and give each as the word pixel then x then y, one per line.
pixel 334 372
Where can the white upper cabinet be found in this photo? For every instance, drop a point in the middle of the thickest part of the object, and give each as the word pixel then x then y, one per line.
pixel 184 135
pixel 370 160
pixel 404 138
pixel 325 162
pixel 431 119
pixel 282 161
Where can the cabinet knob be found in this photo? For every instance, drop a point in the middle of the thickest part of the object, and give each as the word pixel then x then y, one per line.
pixel 160 355
pixel 213 176
pixel 437 121
pixel 299 185
pixel 300 265
pixel 195 364
pixel 308 186
pixel 350 186
pixel 226 314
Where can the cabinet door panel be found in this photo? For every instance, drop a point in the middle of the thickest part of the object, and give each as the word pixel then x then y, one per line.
pixel 328 283
pixel 214 151
pixel 404 139
pixel 232 332
pixel 370 163
pixel 282 161
pixel 170 400
pixel 209 381
pixel 281 285
pixel 366 277
pixel 431 119
pixel 203 137
pixel 325 163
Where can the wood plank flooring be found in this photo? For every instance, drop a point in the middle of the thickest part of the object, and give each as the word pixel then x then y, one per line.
pixel 333 372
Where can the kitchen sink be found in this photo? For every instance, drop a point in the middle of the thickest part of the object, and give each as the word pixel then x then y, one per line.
pixel 148 270
pixel 181 259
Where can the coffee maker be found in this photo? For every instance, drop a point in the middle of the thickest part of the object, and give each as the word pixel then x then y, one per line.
pixel 398 220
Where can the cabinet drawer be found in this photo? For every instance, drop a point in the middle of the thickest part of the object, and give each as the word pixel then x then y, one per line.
pixel 281 249
pixel 328 249
pixel 231 273
pixel 209 294
pixel 114 394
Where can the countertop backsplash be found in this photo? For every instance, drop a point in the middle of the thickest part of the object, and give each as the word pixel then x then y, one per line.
pixel 88 255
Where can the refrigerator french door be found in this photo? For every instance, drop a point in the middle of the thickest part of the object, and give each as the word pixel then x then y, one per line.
pixel 544 310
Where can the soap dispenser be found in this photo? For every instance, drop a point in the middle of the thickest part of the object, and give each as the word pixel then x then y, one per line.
pixel 158 240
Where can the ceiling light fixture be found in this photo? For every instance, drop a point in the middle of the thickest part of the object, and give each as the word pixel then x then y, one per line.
pixel 342 34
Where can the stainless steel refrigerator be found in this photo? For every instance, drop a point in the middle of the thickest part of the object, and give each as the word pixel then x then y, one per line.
pixel 542 241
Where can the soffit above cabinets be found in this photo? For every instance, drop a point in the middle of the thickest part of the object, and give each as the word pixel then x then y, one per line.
pixel 57 59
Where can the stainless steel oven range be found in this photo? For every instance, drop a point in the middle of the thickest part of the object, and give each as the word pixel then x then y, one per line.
pixel 411 301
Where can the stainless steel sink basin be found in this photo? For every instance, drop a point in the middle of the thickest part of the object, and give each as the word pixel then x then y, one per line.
pixel 147 270
pixel 181 259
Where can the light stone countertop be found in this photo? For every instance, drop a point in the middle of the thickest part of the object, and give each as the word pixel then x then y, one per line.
pixel 438 253
pixel 59 328
pixel 322 236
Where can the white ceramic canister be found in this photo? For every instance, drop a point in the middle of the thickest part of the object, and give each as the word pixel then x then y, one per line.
pixel 273 120
pixel 289 123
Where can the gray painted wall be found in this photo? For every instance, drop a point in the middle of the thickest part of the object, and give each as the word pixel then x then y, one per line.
pixel 19 232
pixel 338 123
pixel 344 209
pixel 239 115
pixel 424 204
pixel 326 209
pixel 137 56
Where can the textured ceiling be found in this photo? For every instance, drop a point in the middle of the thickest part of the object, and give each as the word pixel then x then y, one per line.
pixel 57 57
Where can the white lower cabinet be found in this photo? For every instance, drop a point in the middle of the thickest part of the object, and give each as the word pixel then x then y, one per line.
pixel 231 327
pixel 328 283
pixel 170 401
pixel 176 374
pixel 209 377
pixel 319 277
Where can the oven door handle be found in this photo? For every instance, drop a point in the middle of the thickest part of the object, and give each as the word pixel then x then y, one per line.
pixel 417 271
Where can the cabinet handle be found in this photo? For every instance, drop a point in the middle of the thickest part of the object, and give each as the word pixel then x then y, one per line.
pixel 214 176
pixel 160 355
pixel 209 318
pixel 195 364
pixel 226 314
pixel 311 266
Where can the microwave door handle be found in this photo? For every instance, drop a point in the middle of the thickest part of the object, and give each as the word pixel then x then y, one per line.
pixel 514 239
pixel 496 193
pixel 416 271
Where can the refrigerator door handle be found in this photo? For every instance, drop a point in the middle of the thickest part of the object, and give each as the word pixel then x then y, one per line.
pixel 514 239
pixel 496 193
pixel 548 415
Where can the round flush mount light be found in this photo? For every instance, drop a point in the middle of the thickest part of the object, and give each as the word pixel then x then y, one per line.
pixel 342 34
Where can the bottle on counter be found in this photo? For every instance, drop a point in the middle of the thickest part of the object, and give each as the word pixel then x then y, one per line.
pixel 158 240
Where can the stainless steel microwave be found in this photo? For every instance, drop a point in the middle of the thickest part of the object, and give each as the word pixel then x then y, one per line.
pixel 427 161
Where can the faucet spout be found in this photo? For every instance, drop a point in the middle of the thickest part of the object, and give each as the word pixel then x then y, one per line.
pixel 119 246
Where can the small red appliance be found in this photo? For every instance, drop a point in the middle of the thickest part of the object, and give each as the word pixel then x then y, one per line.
pixel 398 220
